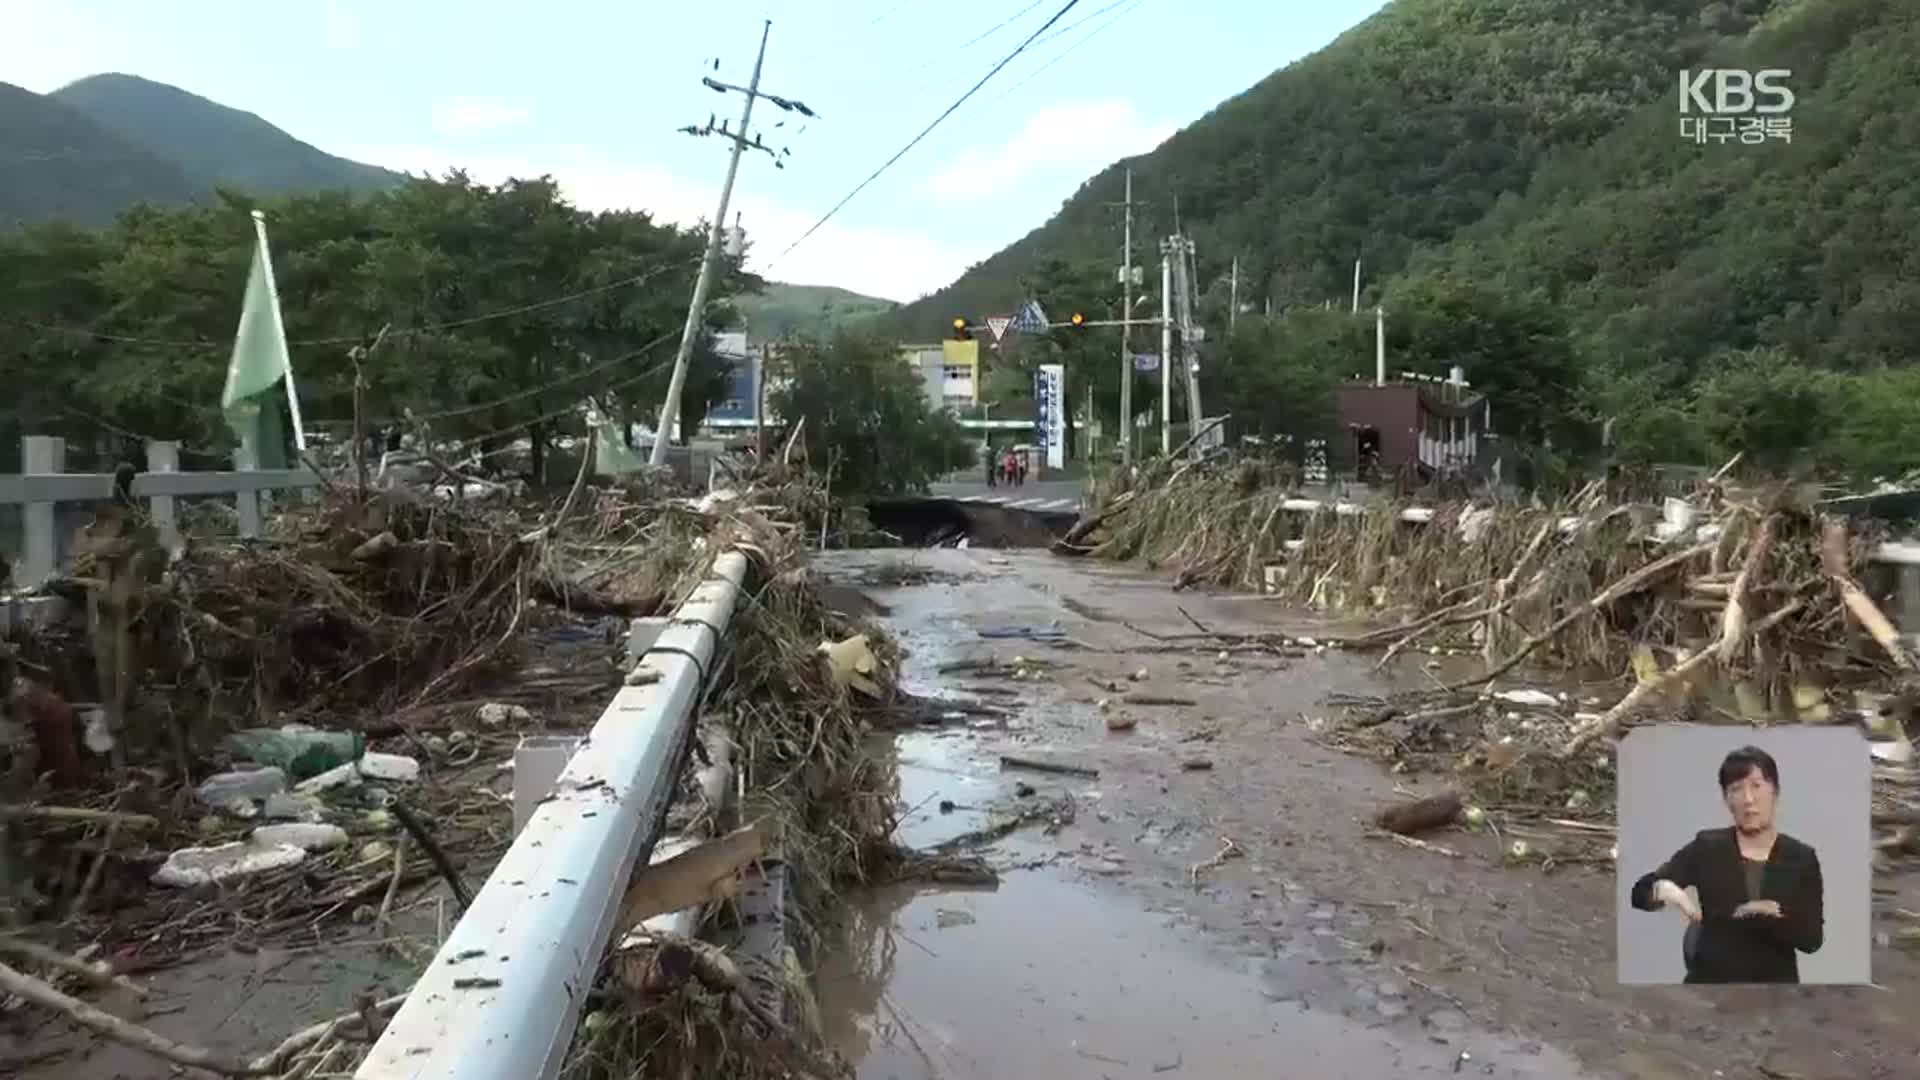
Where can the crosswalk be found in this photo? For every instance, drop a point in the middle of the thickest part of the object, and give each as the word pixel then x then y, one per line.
pixel 1012 503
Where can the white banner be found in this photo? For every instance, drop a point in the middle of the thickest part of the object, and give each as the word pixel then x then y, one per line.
pixel 1050 413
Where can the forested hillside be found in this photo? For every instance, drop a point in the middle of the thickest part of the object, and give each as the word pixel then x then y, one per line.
pixel 1405 129
pixel 207 139
pixel 56 163
pixel 1707 287
pixel 808 310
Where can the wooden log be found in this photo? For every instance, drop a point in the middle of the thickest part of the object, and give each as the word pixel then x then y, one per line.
pixel 1008 761
pixel 35 992
pixel 1833 558
pixel 689 879
pixel 79 815
pixel 1421 815
pixel 1495 626
pixel 277 1059
pixel 100 975
pixel 1733 623
pixel 1070 544
pixel 1156 699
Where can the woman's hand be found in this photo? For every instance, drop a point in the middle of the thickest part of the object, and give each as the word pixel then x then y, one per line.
pixel 1674 896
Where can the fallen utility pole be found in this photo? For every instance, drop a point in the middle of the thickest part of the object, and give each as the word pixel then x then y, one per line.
pixel 742 140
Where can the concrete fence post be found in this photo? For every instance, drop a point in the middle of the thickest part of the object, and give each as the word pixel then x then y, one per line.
pixel 164 457
pixel 40 539
pixel 247 503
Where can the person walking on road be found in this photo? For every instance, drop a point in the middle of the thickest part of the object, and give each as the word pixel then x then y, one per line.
pixel 992 467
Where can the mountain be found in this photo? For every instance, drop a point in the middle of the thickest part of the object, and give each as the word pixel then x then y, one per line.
pixel 206 139
pixel 1665 253
pixel 1409 127
pixel 57 163
pixel 807 310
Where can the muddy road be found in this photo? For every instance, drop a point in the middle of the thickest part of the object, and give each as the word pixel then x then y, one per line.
pixel 1117 944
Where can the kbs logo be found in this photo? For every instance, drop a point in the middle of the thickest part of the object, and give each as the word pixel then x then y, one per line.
pixel 1724 104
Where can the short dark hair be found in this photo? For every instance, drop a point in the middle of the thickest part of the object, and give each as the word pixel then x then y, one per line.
pixel 1743 761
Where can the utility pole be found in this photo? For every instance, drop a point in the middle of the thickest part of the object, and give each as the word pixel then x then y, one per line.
pixel 1126 327
pixel 1166 351
pixel 670 408
pixel 1233 308
pixel 1379 346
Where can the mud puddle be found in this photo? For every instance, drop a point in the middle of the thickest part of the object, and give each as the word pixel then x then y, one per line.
pixel 1046 976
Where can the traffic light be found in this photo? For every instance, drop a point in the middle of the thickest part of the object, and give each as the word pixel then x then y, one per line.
pixel 1079 321
pixel 960 330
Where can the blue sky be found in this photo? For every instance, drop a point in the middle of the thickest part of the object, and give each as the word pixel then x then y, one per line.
pixel 591 92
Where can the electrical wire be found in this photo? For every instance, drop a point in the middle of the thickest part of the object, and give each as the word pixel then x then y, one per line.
pixel 1063 31
pixel 915 141
pixel 652 369
pixel 1064 53
pixel 554 384
pixel 968 44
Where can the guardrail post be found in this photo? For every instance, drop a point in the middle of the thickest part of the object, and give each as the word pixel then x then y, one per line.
pixel 247 503
pixel 40 540
pixel 164 457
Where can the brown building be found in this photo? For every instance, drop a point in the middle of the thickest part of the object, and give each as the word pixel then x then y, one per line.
pixel 1416 428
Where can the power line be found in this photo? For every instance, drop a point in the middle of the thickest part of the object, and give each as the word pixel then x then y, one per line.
pixel 1063 31
pixel 970 43
pixel 1064 53
pixel 915 141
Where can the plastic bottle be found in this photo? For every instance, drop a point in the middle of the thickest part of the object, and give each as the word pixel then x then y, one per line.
pixel 301 751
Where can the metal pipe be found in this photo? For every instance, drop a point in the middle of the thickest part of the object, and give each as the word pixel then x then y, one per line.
pixel 501 998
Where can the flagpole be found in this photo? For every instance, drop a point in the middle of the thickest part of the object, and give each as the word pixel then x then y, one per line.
pixel 280 330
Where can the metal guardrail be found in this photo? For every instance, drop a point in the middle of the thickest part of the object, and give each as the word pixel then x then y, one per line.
pixel 502 997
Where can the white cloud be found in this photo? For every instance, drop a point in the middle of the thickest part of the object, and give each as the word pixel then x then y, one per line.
pixel 899 264
pixel 1086 136
pixel 472 117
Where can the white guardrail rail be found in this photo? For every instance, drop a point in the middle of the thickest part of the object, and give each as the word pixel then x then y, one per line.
pixel 502 997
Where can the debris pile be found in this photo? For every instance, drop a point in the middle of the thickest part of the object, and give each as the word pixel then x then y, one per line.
pixel 1733 606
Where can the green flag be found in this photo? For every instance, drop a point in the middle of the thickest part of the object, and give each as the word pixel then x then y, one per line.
pixel 260 361
pixel 612 455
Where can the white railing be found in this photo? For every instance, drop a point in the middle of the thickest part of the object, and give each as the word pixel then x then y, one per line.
pixel 501 998
pixel 43 483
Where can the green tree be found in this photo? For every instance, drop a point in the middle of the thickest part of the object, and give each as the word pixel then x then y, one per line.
pixel 865 415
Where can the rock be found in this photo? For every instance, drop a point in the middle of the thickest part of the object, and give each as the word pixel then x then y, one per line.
pixel 241 807
pixel 286 806
pixel 192 866
pixel 378 820
pixel 221 788
pixel 1121 723
pixel 1196 765
pixel 306 837
pixel 374 850
pixel 1446 1021
pixel 498 714
pixel 1141 675
pixel 437 745
pixel 1023 789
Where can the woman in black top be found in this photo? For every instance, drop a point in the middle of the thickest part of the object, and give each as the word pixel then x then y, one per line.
pixel 1759 890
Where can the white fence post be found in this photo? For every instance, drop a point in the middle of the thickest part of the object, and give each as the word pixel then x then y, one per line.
pixel 40 539
pixel 247 503
pixel 164 457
